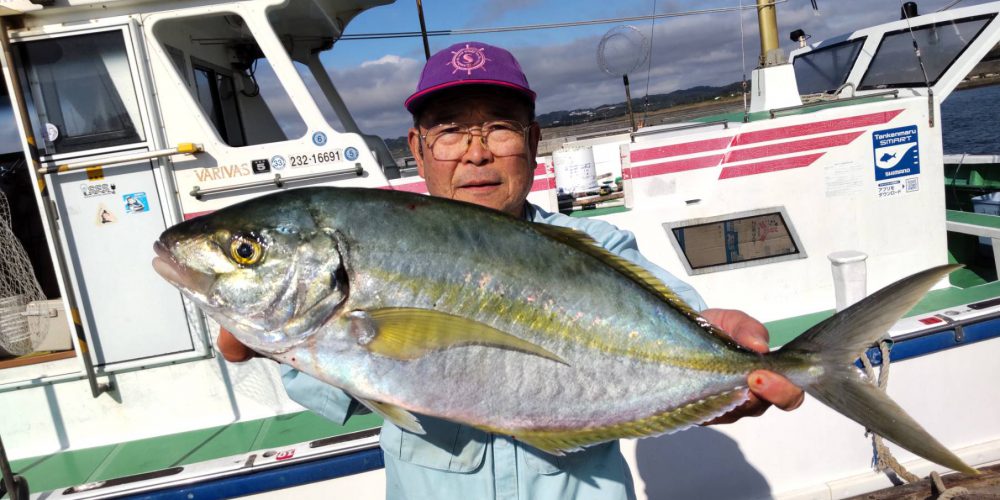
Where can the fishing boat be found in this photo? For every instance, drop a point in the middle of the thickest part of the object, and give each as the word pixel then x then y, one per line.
pixel 136 114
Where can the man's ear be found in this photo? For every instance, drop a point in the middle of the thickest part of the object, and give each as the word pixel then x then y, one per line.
pixel 534 135
pixel 416 149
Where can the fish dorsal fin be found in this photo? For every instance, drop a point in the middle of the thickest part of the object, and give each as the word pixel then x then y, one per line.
pixel 402 418
pixel 409 333
pixel 559 441
pixel 583 242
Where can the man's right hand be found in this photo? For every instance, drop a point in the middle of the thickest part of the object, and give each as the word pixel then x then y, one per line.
pixel 232 349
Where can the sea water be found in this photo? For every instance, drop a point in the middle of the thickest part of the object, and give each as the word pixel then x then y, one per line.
pixel 970 121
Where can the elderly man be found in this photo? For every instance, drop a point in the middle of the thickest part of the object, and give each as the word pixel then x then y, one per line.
pixel 474 138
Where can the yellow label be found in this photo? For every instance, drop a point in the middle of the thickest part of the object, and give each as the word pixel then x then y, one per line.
pixel 95 173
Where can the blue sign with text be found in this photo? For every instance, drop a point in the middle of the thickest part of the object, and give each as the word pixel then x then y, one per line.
pixel 897 152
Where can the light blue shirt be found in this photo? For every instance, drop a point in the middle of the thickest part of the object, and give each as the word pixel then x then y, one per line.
pixel 454 461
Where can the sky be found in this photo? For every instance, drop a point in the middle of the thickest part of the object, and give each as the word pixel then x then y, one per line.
pixel 375 76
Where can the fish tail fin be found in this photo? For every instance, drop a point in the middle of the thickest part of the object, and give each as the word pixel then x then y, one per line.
pixel 836 343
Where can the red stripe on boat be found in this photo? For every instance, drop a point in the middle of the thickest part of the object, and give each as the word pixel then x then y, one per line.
pixel 687 148
pixel 196 214
pixel 816 128
pixel 785 148
pixel 543 184
pixel 769 166
pixel 410 187
pixel 670 167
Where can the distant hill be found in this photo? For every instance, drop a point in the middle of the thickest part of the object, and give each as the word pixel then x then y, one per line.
pixel 656 102
pixel 399 148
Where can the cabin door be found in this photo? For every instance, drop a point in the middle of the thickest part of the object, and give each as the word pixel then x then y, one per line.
pixel 88 106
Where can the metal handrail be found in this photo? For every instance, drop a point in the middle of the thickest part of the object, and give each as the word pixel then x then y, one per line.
pixel 278 181
pixel 183 148
pixel 893 93
pixel 724 123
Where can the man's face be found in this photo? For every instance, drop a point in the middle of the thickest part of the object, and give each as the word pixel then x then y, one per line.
pixel 478 176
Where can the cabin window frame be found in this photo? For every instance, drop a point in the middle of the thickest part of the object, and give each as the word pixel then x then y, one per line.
pixel 222 126
pixel 143 126
pixel 930 82
pixel 859 42
pixel 671 227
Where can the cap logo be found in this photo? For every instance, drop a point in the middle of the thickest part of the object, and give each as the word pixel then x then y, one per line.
pixel 468 59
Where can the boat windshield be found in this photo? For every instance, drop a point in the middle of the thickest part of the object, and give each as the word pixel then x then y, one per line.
pixel 824 70
pixel 895 64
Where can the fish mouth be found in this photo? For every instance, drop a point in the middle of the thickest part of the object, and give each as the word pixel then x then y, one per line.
pixel 178 274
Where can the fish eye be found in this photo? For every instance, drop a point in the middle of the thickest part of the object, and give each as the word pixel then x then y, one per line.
pixel 246 250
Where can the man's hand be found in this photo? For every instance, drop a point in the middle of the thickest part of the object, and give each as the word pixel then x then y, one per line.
pixel 232 349
pixel 766 387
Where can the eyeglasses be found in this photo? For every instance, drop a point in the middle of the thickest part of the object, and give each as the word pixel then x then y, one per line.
pixel 450 141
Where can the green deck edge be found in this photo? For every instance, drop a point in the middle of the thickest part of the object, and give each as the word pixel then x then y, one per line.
pixel 977 219
pixel 738 116
pixel 596 212
pixel 784 330
pixel 70 468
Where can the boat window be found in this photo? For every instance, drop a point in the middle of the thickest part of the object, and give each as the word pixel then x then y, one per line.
pixel 217 97
pixel 735 241
pixel 82 92
pixel 825 69
pixel 895 64
pixel 231 80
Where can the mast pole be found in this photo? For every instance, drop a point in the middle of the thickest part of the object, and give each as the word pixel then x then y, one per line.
pixel 767 17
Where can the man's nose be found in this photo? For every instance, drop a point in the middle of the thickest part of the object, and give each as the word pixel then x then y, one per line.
pixel 478 153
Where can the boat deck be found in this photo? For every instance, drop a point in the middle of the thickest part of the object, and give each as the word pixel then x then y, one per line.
pixel 983 487
pixel 103 463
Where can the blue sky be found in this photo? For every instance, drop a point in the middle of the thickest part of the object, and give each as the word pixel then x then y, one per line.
pixel 375 76
pixel 561 64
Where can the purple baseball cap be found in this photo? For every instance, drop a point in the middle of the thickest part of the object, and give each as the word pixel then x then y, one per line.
pixel 469 63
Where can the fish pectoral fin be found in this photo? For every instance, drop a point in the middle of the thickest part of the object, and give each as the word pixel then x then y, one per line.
pixel 409 333
pixel 402 418
pixel 560 441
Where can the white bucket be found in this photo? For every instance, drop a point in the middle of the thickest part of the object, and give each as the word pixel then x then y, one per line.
pixel 575 170
pixel 15 337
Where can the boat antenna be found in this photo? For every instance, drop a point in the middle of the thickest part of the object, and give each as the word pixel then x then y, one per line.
pixel 916 50
pixel 743 52
pixel 423 30
pixel 649 66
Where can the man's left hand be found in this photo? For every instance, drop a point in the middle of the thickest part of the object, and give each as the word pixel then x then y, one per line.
pixel 766 387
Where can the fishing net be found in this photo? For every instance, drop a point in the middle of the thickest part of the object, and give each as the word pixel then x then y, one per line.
pixel 18 287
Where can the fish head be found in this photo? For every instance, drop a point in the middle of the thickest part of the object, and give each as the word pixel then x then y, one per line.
pixel 264 271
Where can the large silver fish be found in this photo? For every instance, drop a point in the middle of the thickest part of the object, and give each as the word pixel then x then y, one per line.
pixel 418 305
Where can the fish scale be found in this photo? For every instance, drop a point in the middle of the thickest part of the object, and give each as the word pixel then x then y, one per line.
pixel 422 306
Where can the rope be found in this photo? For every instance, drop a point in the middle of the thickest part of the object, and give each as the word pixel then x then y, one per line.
pixel 938 488
pixel 883 459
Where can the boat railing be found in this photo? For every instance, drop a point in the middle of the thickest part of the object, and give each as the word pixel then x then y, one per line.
pixel 687 126
pixel 278 180
pixel 183 148
pixel 889 93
